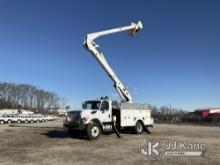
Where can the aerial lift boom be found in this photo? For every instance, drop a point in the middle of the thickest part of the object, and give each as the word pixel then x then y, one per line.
pixel 91 46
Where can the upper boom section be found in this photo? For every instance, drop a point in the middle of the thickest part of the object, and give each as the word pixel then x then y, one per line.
pixel 91 46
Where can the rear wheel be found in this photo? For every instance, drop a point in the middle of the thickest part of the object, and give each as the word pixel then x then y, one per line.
pixel 9 121
pixel 138 128
pixel 19 121
pixel 26 121
pixel 1 122
pixel 93 131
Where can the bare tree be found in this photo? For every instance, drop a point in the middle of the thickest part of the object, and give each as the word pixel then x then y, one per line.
pixel 164 110
pixel 28 97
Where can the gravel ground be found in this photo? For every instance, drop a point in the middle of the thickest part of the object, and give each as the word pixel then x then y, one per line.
pixel 48 143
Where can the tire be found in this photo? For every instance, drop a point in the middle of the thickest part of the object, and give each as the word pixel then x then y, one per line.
pixel 9 121
pixel 38 121
pixel 93 131
pixel 19 121
pixel 31 121
pixel 2 122
pixel 138 128
pixel 26 121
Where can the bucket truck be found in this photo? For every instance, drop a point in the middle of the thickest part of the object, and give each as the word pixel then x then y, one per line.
pixel 103 114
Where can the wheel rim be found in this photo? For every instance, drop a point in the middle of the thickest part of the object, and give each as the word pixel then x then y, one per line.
pixel 26 121
pixel 139 128
pixel 9 121
pixel 2 122
pixel 19 121
pixel 95 131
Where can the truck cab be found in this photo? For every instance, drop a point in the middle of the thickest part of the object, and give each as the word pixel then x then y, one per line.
pixel 98 111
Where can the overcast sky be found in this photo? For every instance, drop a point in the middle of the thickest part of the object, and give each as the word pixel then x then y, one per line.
pixel 174 60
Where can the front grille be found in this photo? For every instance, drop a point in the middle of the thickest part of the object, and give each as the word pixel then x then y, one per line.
pixel 73 117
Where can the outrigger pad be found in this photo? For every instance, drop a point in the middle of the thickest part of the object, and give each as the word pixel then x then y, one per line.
pixel 147 130
pixel 116 130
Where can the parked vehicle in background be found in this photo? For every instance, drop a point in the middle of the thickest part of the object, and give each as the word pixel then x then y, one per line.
pixel 33 118
pixel 2 119
pixel 36 118
pixel 56 117
pixel 26 119
pixel 40 118
pixel 20 118
pixel 50 118
pixel 7 119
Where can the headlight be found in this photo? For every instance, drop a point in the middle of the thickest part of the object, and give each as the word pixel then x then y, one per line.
pixel 84 119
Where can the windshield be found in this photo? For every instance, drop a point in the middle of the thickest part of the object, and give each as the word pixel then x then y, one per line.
pixel 91 105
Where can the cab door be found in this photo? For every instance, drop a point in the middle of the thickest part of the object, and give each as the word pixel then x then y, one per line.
pixel 105 112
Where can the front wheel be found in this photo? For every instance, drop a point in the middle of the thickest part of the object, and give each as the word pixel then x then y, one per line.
pixel 138 128
pixel 93 131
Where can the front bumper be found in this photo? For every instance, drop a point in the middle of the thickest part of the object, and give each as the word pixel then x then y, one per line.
pixel 74 126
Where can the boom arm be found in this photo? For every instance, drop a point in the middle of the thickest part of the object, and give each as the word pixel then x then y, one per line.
pixel 91 46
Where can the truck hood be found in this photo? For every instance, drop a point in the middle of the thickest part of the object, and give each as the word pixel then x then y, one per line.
pixel 87 112
pixel 83 113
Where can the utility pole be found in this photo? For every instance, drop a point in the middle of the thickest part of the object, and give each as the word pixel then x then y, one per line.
pixel 170 111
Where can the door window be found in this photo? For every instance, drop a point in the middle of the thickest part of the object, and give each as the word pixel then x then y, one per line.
pixel 105 106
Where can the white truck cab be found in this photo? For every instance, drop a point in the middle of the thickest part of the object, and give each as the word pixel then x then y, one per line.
pixel 99 115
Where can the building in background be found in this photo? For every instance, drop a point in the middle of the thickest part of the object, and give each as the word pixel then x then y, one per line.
pixel 204 114
pixel 61 112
